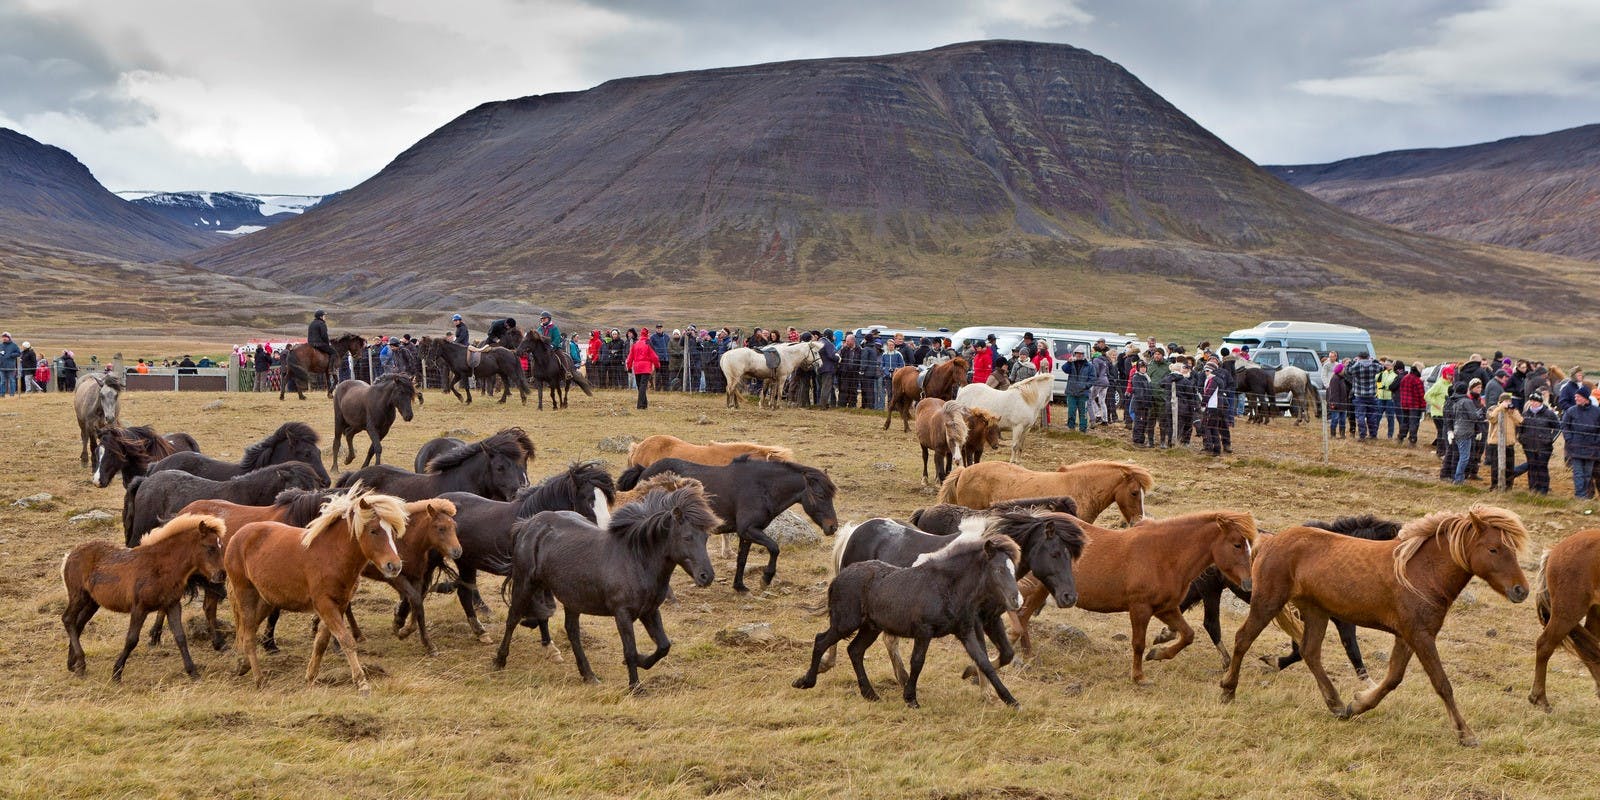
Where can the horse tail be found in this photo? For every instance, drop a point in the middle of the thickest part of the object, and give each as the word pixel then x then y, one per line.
pixel 1289 622
pixel 947 490
pixel 841 540
pixel 1541 590
pixel 578 378
pixel 128 497
pixel 630 478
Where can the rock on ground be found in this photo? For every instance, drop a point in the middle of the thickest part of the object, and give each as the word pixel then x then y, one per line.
pixel 750 633
pixel 793 529
pixel 616 444
pixel 93 517
pixel 43 500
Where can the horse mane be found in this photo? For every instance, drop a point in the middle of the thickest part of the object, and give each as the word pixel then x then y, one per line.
pixel 562 489
pixel 393 382
pixel 645 522
pixel 1026 522
pixel 437 505
pixel 1062 504
pixel 512 443
pixel 356 508
pixel 1459 530
pixel 255 455
pixel 1129 471
pixel 1240 521
pixel 966 543
pixel 184 524
pixel 661 481
pixel 302 505
pixel 954 423
pixel 1364 526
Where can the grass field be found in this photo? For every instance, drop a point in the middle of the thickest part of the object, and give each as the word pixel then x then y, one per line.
pixel 722 720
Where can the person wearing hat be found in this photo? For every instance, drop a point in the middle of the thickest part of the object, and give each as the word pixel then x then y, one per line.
pixel 459 330
pixel 1080 376
pixel 547 326
pixel 1540 426
pixel 27 365
pixel 641 363
pixel 1465 413
pixel 1504 423
pixel 982 362
pixel 660 342
pixel 1141 399
pixel 317 333
pixel 1580 429
pixel 9 353
pixel 1567 388
pixel 67 377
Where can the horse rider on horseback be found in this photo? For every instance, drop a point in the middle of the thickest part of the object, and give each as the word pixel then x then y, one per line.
pixel 461 334
pixel 498 330
pixel 549 329
pixel 317 334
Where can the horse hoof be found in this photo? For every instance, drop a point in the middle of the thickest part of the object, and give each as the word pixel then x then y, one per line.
pixel 911 702
pixel 401 632
pixel 1469 741
pixel 1153 654
pixel 1271 661
pixel 498 663
pixel 194 674
pixel 592 679
pixel 1541 702
pixel 555 652
pixel 1166 635
pixel 1227 696
pixel 1346 712
pixel 365 689
pixel 803 682
pixel 485 638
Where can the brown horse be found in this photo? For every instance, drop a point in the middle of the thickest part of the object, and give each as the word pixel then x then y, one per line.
pixel 654 448
pixel 1404 586
pixel 301 361
pixel 138 580
pixel 983 433
pixel 1146 571
pixel 941 430
pixel 1567 591
pixel 943 381
pixel 1094 484
pixel 275 566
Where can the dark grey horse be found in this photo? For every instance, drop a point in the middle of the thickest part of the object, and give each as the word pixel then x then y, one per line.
pixel 360 406
pixel 947 517
pixel 154 499
pixel 552 369
pixel 292 441
pixel 496 468
pixel 129 452
pixel 492 363
pixel 433 448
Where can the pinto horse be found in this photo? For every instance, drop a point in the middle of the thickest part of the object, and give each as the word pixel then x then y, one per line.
pixel 360 406
pixel 301 361
pixel 947 517
pixel 130 452
pixel 1404 586
pixel 1146 570
pixel 292 441
pixel 1567 591
pixel 909 384
pixel 1096 485
pixel 272 566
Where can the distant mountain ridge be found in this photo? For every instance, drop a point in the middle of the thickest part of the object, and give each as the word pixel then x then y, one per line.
pixel 229 213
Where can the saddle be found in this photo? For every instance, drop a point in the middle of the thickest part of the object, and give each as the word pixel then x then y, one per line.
pixel 475 354
pixel 773 359
pixel 922 376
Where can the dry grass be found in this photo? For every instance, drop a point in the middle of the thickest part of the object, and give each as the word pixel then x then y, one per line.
pixel 718 720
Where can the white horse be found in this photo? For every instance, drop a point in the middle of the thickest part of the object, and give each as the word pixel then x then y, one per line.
pixel 1018 407
pixel 743 363
pixel 95 401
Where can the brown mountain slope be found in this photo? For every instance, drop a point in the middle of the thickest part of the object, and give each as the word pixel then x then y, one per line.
pixel 1532 192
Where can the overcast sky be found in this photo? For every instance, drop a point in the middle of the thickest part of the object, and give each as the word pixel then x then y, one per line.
pixel 311 96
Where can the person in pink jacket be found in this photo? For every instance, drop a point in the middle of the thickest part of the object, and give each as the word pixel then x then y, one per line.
pixel 642 361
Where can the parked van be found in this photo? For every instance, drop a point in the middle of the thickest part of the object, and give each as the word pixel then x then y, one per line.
pixel 1062 342
pixel 1319 337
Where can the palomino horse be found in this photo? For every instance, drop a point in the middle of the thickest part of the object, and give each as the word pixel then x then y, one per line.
pixel 358 406
pixel 551 368
pixel 941 430
pixel 95 403
pixel 743 363
pixel 1405 586
pixel 944 593
pixel 130 452
pixel 490 363
pixel 292 441
pixel 1018 407
pixel 275 566
pixel 138 580
pixel 301 361
pixel 909 384
pixel 654 448
pixel 1096 485
pixel 1568 590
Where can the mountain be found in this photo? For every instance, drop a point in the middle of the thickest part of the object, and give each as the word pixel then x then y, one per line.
pixel 227 213
pixel 47 197
pixel 1537 193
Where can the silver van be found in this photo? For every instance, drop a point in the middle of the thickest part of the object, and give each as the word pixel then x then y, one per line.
pixel 1318 337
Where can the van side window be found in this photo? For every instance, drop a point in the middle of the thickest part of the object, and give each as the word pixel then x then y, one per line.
pixel 1308 344
pixel 1305 361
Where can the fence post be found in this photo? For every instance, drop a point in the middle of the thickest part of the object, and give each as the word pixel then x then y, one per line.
pixel 1327 442
pixel 1174 402
pixel 1503 481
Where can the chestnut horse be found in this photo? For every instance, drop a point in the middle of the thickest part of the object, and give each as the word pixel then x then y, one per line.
pixel 907 385
pixel 301 361
pixel 1404 586
pixel 275 566
pixel 1567 591
pixel 1146 571
pixel 941 430
pixel 983 433
pixel 138 580
pixel 654 448
pixel 1096 485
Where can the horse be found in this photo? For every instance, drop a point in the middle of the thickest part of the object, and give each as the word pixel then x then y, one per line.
pixel 1262 385
pixel 621 571
pixel 1018 407
pixel 946 518
pixel 944 593
pixel 551 367
pixel 358 406
pixel 292 441
pixel 743 363
pixel 748 495
pixel 1566 591
pixel 274 566
pixel 492 362
pixel 1096 485
pixel 95 402
pixel 484 527
pixel 129 452
pixel 983 433
pixel 301 361
pixel 433 448
pixel 496 468
pixel 1404 586
pixel 942 430
pixel 1146 570
pixel 654 448
pixel 909 384
pixel 138 580
pixel 1048 541
pixel 155 498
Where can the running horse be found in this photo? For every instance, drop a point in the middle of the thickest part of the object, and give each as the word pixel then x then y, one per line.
pixel 301 361
pixel 462 363
pixel 1095 485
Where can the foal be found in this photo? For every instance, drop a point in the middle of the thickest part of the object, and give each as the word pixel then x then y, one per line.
pixel 942 431
pixel 1568 590
pixel 138 580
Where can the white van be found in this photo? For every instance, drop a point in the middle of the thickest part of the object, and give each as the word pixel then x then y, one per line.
pixel 1316 336
pixel 1062 342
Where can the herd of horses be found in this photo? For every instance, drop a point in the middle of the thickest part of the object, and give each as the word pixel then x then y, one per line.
pixel 276 532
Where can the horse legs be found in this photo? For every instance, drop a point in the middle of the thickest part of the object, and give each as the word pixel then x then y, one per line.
pixel 135 628
pixel 925 466
pixel 575 640
pixel 1174 619
pixel 247 609
pixel 349 446
pixel 658 634
pixel 1399 657
pixel 993 626
pixel 80 609
pixel 892 644
pixel 466 585
pixel 1139 619
pixel 1428 656
pixel 213 598
pixel 411 594
pixel 175 622
pixel 1562 622
pixel 269 642
pixel 759 536
pixel 374 448
pixel 919 654
pixel 980 658
pixel 522 603
pixel 333 622
pixel 1211 620
pixel 738 569
pixel 630 648
pixel 1265 604
pixel 1034 595
pixel 865 636
pixel 1316 629
pixel 825 643
pixel 1352 646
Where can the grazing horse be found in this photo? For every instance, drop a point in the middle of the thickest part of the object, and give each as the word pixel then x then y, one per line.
pixel 433 448
pixel 661 445
pixel 620 571
pixel 1096 485
pixel 138 580
pixel 944 593
pixel 292 441
pixel 1568 591
pixel 301 361
pixel 947 517
pixel 942 430
pixel 95 402
pixel 1403 586
pixel 1146 570
pixel 983 433
pixel 1018 407
pixel 154 498
pixel 743 363
pixel 360 406
pixel 496 468
pixel 909 384
pixel 462 364
pixel 484 527
pixel 550 367
pixel 273 566
pixel 748 495
pixel 129 452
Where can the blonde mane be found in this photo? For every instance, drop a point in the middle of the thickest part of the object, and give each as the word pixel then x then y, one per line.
pixel 357 508
pixel 437 505
pixel 184 524
pixel 1459 531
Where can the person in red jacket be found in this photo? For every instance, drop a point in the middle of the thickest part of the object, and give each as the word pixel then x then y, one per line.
pixel 642 362
pixel 1412 404
pixel 982 363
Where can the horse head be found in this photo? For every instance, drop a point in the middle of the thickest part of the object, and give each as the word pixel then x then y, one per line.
pixel 1492 553
pixel 110 396
pixel 817 499
pixel 208 556
pixel 1232 549
pixel 1000 557
pixel 376 521
pixel 436 521
pixel 109 457
pixel 1049 543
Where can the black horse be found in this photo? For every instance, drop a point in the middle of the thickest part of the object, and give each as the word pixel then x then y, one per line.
pixel 129 452
pixel 946 518
pixel 1255 383
pixel 292 441
pixel 484 527
pixel 433 448
pixel 152 500
pixel 494 468
pixel 621 571
pixel 360 406
pixel 462 364
pixel 748 495
pixel 945 593
pixel 552 369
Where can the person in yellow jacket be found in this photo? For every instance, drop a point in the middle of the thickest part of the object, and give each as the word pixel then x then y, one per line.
pixel 1388 408
pixel 1504 421
pixel 1436 395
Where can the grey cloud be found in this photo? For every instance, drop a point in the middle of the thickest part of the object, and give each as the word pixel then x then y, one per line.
pixel 48 64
